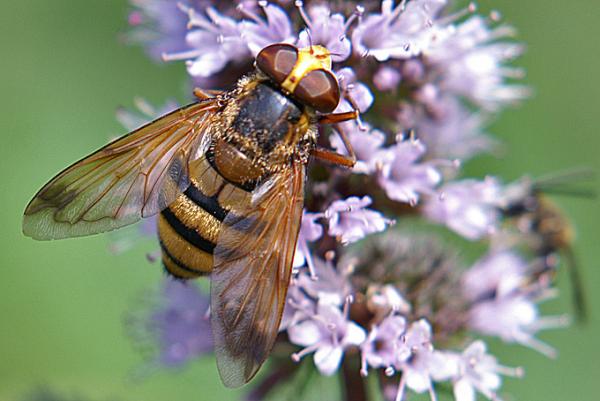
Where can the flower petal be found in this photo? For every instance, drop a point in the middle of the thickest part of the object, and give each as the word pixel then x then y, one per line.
pixel 305 333
pixel 464 391
pixel 355 334
pixel 328 358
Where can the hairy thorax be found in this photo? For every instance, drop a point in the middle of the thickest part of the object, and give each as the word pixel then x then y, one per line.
pixel 261 130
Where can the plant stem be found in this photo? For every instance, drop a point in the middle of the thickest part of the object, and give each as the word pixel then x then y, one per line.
pixel 353 384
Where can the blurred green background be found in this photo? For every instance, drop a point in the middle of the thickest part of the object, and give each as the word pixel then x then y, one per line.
pixel 63 71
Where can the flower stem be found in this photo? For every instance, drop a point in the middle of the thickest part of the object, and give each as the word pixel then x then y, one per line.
pixel 353 384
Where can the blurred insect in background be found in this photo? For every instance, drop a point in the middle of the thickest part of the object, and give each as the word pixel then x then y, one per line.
pixel 227 176
pixel 546 231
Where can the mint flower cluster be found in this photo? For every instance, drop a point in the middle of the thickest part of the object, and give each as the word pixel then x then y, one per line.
pixel 376 292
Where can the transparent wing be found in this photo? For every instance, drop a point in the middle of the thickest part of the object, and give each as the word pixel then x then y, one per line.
pixel 253 264
pixel 133 177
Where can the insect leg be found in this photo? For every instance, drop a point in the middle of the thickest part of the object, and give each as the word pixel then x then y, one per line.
pixel 335 118
pixel 333 157
pixel 204 94
pixel 336 158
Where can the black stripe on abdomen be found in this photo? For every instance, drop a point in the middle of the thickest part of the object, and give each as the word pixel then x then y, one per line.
pixel 208 203
pixel 189 234
pixel 177 262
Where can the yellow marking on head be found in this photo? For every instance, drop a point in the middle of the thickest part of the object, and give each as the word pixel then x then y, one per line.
pixel 309 59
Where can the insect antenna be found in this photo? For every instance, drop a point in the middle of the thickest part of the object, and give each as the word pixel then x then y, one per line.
pixel 300 5
pixel 310 42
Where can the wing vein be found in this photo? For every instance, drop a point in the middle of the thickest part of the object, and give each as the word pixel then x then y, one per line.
pixel 123 181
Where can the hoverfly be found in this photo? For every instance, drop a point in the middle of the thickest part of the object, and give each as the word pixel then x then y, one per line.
pixel 226 176
pixel 546 231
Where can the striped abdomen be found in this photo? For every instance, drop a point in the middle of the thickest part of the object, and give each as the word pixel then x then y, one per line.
pixel 225 177
pixel 189 228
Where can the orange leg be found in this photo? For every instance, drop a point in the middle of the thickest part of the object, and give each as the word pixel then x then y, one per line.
pixel 330 156
pixel 336 158
pixel 338 117
pixel 204 94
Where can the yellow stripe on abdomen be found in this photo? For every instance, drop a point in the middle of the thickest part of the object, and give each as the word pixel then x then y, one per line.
pixel 178 251
pixel 176 270
pixel 189 228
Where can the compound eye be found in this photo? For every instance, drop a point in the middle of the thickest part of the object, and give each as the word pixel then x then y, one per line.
pixel 319 89
pixel 277 61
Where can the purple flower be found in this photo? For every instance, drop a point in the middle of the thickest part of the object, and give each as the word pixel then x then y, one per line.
pixel 214 41
pixel 514 317
pixel 383 299
pixel 419 362
pixel 325 29
pixel 367 144
pixel 259 33
pixel 381 345
pixel 178 326
pixel 402 177
pixel 387 78
pixel 468 207
pixel 496 273
pixel 399 32
pixel 479 371
pixel 439 76
pixel 328 333
pixel 310 231
pixel 330 284
pixel 217 39
pixel 298 306
pixel 325 283
pixel 160 25
pixel 355 94
pixel 350 220
pixel 453 132
pixel 471 63
pixel 503 305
